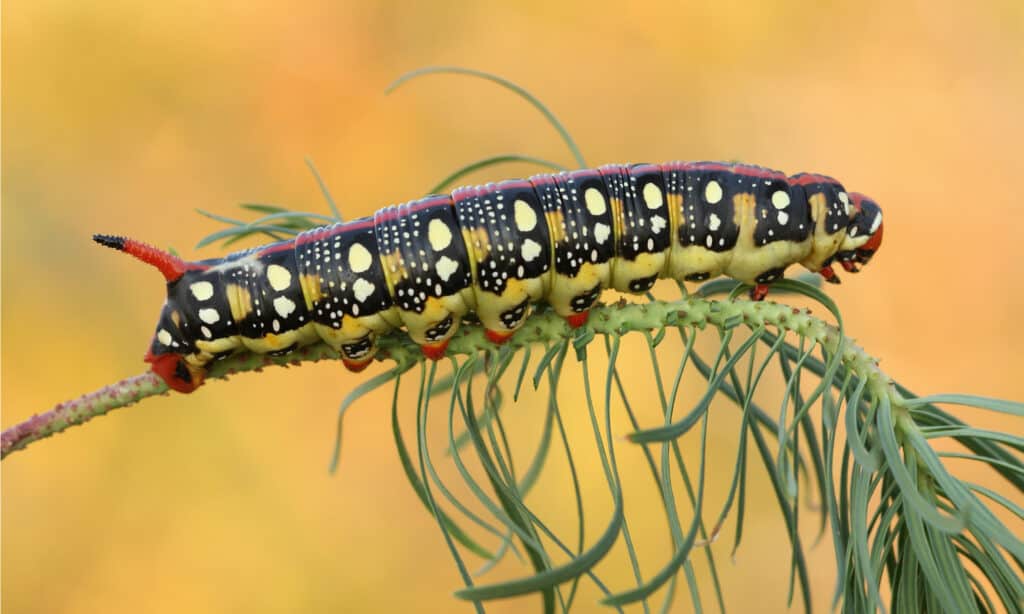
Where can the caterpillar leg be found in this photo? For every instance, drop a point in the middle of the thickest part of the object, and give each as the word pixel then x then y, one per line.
pixel 572 297
pixel 503 314
pixel 577 320
pixel 358 355
pixel 434 338
pixel 758 292
pixel 830 275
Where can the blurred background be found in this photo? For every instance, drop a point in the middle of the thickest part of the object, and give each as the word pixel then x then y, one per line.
pixel 124 117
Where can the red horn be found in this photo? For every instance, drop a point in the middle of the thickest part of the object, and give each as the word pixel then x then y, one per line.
pixel 170 265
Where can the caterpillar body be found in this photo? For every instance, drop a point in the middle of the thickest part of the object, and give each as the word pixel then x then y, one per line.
pixel 495 250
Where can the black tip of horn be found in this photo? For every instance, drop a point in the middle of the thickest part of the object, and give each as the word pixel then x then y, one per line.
pixel 110 241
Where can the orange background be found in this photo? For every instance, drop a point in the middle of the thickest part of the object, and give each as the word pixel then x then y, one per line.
pixel 121 117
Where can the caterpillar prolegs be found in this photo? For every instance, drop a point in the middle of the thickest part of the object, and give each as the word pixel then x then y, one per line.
pixel 495 250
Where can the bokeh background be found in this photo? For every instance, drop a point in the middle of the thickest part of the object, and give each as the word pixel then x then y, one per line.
pixel 124 117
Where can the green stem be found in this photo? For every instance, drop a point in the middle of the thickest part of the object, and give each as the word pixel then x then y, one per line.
pixel 614 320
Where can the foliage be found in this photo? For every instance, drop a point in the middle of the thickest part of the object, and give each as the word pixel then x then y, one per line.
pixel 863 444
pixel 908 535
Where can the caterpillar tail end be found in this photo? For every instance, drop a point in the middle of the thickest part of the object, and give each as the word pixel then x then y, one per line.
pixel 435 351
pixel 849 266
pixel 168 264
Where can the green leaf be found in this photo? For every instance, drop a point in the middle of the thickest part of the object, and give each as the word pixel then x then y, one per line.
pixel 522 93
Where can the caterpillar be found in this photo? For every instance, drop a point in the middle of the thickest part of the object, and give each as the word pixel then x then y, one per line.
pixel 497 249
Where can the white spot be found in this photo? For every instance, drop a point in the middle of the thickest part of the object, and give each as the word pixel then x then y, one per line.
pixel 875 224
pixel 853 231
pixel 359 258
pixel 780 199
pixel 202 290
pixel 206 332
pixel 520 272
pixel 657 224
pixel 710 240
pixel 163 337
pixel 595 201
pixel 210 316
pixel 279 277
pixel 783 218
pixel 650 244
pixel 439 234
pixel 530 250
pixel 714 222
pixel 713 192
pixel 593 255
pixel 284 306
pixel 526 217
pixel 601 232
pixel 362 289
pixel 446 267
pixel 844 198
pixel 438 290
pixel 276 325
pixel 652 196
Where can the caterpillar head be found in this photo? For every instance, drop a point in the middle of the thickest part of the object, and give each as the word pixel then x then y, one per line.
pixel 167 352
pixel 863 234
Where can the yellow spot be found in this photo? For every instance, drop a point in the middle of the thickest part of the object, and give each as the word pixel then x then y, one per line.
pixel 202 290
pixel 780 199
pixel 531 249
pixel 675 213
pixel 176 318
pixel 284 306
pixel 240 302
pixel 446 267
pixel 526 217
pixel 556 225
pixel 311 289
pixel 359 258
pixel 210 316
pixel 439 234
pixel 362 289
pixel 652 196
pixel 713 192
pixel 480 243
pixel 595 201
pixel 279 277
pixel 714 222
pixel 618 218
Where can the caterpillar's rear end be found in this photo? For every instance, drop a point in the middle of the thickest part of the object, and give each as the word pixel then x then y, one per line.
pixel 497 249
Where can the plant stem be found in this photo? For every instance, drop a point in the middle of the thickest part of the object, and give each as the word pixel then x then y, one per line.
pixel 615 319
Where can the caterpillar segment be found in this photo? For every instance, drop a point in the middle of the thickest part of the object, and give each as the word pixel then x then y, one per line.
pixel 580 224
pixel 426 265
pixel 495 250
pixel 505 230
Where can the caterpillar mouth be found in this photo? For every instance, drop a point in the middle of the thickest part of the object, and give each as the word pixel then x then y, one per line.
pixel 176 372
